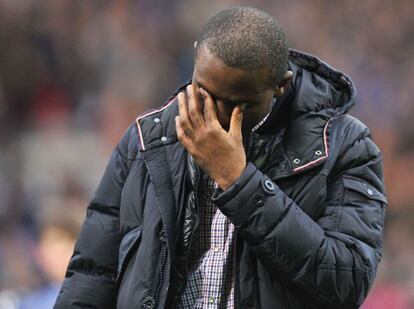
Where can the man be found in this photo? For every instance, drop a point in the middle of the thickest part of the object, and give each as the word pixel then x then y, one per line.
pixel 250 188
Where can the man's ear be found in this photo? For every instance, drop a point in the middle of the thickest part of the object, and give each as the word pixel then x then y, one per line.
pixel 280 90
pixel 195 44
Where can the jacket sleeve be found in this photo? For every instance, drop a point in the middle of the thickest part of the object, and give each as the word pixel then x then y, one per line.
pixel 333 259
pixel 89 281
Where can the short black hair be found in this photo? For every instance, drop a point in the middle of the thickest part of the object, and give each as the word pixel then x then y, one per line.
pixel 247 38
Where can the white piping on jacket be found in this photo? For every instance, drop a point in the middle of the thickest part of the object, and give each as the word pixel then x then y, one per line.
pixel 148 114
pixel 325 140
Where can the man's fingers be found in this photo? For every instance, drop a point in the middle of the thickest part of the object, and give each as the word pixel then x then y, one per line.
pixel 183 110
pixel 236 121
pixel 181 135
pixel 210 113
pixel 194 107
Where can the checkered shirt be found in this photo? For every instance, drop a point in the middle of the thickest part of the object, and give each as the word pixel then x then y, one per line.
pixel 210 281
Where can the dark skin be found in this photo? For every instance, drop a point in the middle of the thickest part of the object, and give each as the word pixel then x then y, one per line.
pixel 220 102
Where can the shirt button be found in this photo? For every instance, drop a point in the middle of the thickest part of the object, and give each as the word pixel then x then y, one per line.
pixel 370 191
pixel 211 300
pixel 164 139
pixel 156 120
pixel 216 249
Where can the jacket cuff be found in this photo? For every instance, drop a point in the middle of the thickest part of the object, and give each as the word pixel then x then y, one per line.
pixel 221 197
pixel 245 196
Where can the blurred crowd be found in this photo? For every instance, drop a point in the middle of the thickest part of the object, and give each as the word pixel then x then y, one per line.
pixel 74 74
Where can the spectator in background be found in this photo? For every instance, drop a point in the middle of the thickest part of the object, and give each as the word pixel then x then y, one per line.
pixel 57 235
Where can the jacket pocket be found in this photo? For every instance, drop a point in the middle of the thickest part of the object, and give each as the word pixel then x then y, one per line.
pixel 128 245
pixel 363 188
pixel 362 215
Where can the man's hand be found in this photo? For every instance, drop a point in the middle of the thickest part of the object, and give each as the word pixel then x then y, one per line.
pixel 218 152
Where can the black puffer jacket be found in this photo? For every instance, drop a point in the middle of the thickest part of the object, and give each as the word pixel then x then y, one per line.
pixel 308 209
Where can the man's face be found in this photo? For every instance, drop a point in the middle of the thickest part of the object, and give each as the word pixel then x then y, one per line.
pixel 231 86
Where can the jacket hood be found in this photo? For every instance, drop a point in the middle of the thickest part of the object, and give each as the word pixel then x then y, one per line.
pixel 319 86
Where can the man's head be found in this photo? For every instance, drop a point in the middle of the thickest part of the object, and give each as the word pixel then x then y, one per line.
pixel 241 57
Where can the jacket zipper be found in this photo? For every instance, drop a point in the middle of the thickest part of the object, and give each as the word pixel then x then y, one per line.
pixel 164 248
pixel 237 297
pixel 196 222
pixel 161 271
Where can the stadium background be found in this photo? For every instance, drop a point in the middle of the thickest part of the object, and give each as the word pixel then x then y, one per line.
pixel 74 74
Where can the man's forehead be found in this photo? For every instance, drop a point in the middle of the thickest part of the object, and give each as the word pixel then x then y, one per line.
pixel 211 72
pixel 225 87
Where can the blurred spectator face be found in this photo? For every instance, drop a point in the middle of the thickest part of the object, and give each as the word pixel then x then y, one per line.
pixel 53 252
pixel 230 87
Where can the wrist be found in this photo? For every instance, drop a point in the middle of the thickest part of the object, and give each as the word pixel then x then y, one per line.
pixel 226 181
